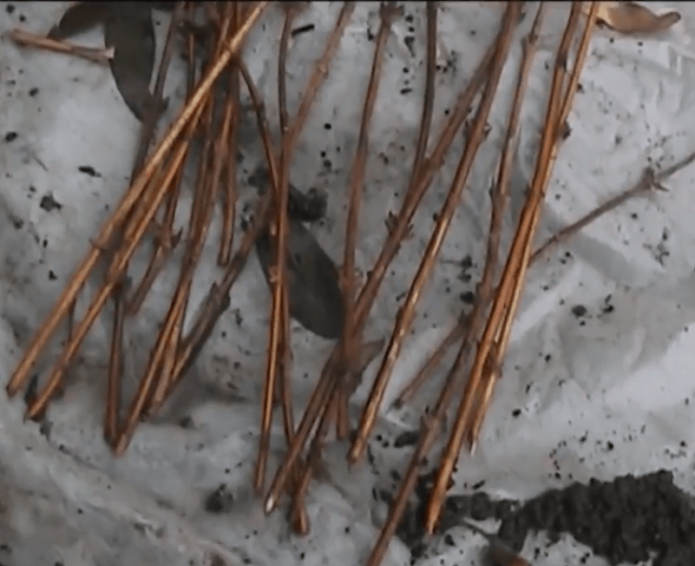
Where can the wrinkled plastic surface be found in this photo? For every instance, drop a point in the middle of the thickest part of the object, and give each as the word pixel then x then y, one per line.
pixel 602 393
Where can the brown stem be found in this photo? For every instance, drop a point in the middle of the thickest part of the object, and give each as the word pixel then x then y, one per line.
pixel 113 395
pixel 133 196
pixel 647 183
pixel 116 353
pixel 469 325
pixel 229 210
pixel 428 104
pixel 456 334
pixel 319 395
pixel 26 39
pixel 417 188
pixel 166 240
pixel 492 369
pixel 388 13
pixel 406 313
pixel 289 141
pixel 511 270
pixel 219 294
pixel 138 404
pixel 431 427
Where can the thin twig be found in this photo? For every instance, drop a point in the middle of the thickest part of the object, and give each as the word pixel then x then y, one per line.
pixel 324 388
pixel 509 22
pixel 133 196
pixel 420 180
pixel 406 313
pixel 388 13
pixel 140 399
pixel 230 192
pixel 116 353
pixel 318 75
pixel 421 148
pixel 197 226
pixel 101 56
pixel 456 334
pixel 492 368
pixel 319 400
pixel 165 238
pixel 285 362
pixel 467 326
pixel 465 408
pixel 150 121
pixel 280 189
pixel 530 46
pixel 215 154
pixel 290 13
pixel 113 392
pixel 647 183
pixel 218 295
pixel 336 405
pixel 427 106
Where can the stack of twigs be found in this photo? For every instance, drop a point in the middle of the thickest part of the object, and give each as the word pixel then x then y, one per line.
pixel 150 203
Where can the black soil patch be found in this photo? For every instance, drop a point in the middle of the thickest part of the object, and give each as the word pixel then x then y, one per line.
pixel 219 501
pixel 627 520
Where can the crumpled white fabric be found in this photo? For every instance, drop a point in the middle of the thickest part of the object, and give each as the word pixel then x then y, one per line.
pixel 602 394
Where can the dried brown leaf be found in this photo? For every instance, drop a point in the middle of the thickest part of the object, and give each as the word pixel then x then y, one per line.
pixel 130 31
pixel 632 18
pixel 316 301
pixel 80 17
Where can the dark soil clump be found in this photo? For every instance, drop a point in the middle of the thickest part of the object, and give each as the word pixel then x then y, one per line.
pixel 627 520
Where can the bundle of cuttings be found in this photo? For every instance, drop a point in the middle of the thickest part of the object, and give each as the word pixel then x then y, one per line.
pixel 306 285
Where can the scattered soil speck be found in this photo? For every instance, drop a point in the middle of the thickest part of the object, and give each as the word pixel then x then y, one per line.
pixel 219 501
pixel 468 297
pixel 88 170
pixel 579 311
pixel 10 136
pixel 17 222
pixel 407 438
pixel 49 204
pixel 303 29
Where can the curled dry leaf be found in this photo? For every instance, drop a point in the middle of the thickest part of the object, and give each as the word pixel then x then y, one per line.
pixel 80 17
pixel 316 301
pixel 130 31
pixel 629 18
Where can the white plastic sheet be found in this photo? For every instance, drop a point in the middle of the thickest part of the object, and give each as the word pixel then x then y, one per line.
pixel 606 392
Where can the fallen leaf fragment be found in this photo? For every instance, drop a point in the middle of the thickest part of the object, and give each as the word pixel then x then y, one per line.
pixel 632 18
pixel 80 17
pixel 313 281
pixel 130 31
